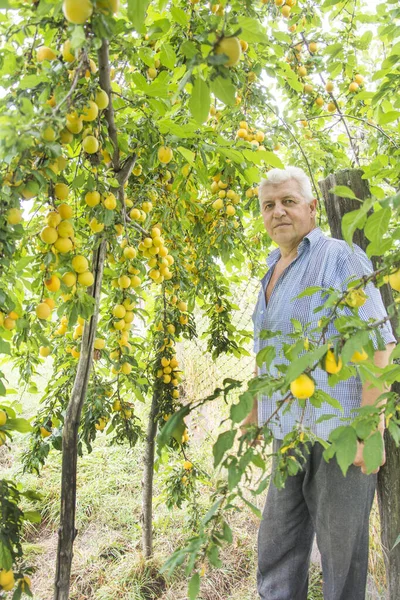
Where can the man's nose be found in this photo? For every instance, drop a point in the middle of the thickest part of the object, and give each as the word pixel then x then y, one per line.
pixel 279 210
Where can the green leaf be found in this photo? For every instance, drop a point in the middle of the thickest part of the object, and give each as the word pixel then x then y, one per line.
pixel 377 224
pixel 20 425
pixel 5 556
pixel 199 102
pixel 33 516
pixel 324 397
pixel 179 16
pixel 240 410
pixel 298 366
pixel 224 442
pixel 355 219
pixel 31 81
pixel 252 30
pixel 346 448
pixel 5 347
pixel 343 192
pixel 271 159
pixel 187 154
pixel 137 13
pixel 388 117
pixel 396 542
pixel 174 426
pixel 211 512
pixel 265 355
pixel 194 586
pixel 224 90
pixel 168 56
pixel 373 451
pixel 310 291
pixel 256 511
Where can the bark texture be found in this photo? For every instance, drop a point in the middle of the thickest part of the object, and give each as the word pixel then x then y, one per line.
pixel 67 531
pixel 147 481
pixel 389 474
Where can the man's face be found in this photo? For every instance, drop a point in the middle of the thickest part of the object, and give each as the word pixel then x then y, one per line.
pixel 287 216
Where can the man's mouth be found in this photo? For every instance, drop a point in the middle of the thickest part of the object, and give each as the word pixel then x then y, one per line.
pixel 282 225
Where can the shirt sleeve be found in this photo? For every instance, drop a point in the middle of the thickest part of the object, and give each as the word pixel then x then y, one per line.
pixel 352 267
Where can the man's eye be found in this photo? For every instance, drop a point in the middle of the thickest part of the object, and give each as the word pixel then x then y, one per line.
pixel 288 200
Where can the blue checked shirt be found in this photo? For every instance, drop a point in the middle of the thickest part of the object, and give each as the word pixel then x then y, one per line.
pixel 326 262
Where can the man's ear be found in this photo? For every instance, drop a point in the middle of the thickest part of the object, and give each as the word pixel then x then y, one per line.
pixel 313 205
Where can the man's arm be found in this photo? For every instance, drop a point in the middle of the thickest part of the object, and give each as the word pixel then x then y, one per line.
pixel 369 397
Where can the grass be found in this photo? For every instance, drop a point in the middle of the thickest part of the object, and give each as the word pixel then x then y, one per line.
pixel 108 562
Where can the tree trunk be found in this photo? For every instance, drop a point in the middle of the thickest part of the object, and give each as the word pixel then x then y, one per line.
pixel 147 482
pixel 389 474
pixel 67 531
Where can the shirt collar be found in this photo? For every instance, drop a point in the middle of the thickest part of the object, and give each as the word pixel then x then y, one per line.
pixel 309 240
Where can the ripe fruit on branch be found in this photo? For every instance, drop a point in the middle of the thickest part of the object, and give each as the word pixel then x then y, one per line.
pixel 77 11
pixel 331 107
pixel 45 53
pixel 74 124
pixel 92 198
pixel 330 364
pixel 353 87
pixel 44 351
pixel 90 111
pixel 63 245
pixel 80 264
pixel 394 280
pixel 359 356
pixel 313 47
pixel 359 79
pixel 3 417
pixel 308 88
pixel 319 101
pixel 165 154
pixel 43 310
pixel 65 211
pixel 7 580
pixel 356 298
pixel 90 144
pixel 53 283
pixel 61 191
pixel 14 216
pixel 65 229
pixel 102 100
pixel 66 51
pixel 230 46
pixel 48 235
pixel 329 86
pixel 86 278
pixel 286 10
pixel 303 387
pixel 302 72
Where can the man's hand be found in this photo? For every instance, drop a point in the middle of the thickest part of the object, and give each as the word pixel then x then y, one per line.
pixel 359 459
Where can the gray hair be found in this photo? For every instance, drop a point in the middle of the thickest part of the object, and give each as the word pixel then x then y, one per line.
pixel 276 176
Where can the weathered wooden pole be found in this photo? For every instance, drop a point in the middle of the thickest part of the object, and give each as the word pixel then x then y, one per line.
pixel 389 474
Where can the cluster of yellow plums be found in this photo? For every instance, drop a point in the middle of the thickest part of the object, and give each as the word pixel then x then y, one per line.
pixel 9 320
pixel 58 232
pixel 303 387
pixel 159 260
pixel 226 197
pixel 255 137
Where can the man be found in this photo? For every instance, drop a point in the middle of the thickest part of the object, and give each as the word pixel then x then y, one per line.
pixel 318 499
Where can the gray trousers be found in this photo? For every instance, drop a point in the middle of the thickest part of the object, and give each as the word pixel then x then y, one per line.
pixel 316 500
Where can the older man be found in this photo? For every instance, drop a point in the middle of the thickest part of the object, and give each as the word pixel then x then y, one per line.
pixel 319 499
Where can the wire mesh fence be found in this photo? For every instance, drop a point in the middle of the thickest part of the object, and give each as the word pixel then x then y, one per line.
pixel 203 373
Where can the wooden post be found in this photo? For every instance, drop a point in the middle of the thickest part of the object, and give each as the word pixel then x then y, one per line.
pixel 389 474
pixel 147 481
